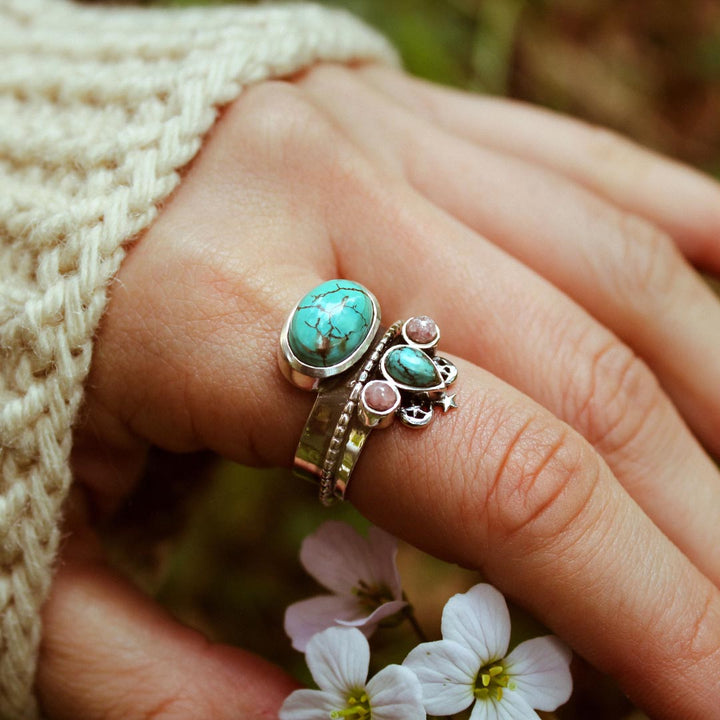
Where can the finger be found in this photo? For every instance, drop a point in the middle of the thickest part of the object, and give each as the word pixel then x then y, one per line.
pixel 108 653
pixel 627 273
pixel 684 202
pixel 497 313
pixel 501 485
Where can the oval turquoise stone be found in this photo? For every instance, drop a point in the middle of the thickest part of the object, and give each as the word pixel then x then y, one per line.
pixel 330 323
pixel 410 366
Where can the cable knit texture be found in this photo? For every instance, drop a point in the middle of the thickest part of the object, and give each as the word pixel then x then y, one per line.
pixel 99 108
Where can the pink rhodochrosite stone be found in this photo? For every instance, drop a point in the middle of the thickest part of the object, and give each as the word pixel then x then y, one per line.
pixel 379 396
pixel 421 330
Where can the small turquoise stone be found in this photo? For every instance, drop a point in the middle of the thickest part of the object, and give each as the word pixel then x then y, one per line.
pixel 410 366
pixel 330 323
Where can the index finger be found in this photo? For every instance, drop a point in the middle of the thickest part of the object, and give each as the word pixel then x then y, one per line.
pixel 503 486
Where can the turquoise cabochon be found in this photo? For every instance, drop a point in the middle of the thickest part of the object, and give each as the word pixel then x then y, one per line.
pixel 411 367
pixel 330 323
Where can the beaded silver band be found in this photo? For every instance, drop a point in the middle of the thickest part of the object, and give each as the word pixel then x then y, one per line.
pixel 333 485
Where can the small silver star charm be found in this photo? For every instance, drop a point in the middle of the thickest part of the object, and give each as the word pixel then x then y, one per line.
pixel 447 402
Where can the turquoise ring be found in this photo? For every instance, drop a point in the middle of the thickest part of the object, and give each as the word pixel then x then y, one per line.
pixel 365 375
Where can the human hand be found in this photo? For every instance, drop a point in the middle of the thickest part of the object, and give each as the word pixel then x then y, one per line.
pixel 570 475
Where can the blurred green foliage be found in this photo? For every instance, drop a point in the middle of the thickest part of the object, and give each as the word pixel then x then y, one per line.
pixel 649 68
pixel 222 551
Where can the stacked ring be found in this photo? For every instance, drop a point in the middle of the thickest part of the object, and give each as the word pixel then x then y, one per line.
pixel 365 375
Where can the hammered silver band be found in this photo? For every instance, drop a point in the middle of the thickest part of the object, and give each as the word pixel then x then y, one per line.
pixel 340 453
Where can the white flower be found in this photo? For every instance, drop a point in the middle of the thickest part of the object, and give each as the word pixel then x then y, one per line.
pixel 470 664
pixel 360 572
pixel 338 659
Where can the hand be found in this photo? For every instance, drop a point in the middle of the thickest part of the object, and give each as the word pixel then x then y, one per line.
pixel 586 344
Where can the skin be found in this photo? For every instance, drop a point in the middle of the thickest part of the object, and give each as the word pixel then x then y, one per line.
pixel 555 257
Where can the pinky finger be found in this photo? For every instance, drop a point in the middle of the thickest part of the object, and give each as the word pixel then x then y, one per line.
pixel 680 200
pixel 110 652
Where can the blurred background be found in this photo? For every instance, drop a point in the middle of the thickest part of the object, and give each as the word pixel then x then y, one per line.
pixel 217 543
pixel 649 68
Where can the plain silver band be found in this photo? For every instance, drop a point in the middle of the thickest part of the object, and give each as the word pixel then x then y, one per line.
pixel 334 436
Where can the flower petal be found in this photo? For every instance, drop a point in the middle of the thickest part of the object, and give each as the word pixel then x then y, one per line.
pixel 447 674
pixel 385 610
pixel 479 620
pixel 309 705
pixel 480 711
pixel 395 694
pixel 306 618
pixel 383 548
pixel 338 557
pixel 510 707
pixel 338 659
pixel 541 673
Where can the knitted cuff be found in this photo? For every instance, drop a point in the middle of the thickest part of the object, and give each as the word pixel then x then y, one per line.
pixel 99 108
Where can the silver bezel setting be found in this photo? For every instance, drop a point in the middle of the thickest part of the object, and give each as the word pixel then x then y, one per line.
pixel 378 418
pixel 421 346
pixel 307 376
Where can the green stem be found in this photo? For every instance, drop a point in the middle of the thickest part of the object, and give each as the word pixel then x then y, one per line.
pixel 409 615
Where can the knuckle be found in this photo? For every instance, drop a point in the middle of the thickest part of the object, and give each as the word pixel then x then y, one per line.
pixel 166 709
pixel 614 399
pixel 613 150
pixel 644 268
pixel 277 127
pixel 619 161
pixel 378 129
pixel 702 642
pixel 111 701
pixel 176 707
pixel 279 123
pixel 328 76
pixel 536 478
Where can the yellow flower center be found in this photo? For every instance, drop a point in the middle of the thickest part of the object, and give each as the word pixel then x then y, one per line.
pixel 491 680
pixel 358 707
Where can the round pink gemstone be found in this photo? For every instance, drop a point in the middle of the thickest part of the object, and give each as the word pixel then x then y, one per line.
pixel 421 330
pixel 379 396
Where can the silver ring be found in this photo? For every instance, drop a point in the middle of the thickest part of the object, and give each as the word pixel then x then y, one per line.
pixel 365 375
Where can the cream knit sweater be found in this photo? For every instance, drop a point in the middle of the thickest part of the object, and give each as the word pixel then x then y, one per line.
pixel 99 108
